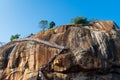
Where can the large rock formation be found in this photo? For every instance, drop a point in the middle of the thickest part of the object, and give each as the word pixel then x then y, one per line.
pixel 69 52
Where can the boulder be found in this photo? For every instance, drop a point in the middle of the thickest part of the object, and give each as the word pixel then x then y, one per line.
pixel 68 52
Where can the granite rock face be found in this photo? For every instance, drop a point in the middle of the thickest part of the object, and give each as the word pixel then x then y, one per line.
pixel 69 52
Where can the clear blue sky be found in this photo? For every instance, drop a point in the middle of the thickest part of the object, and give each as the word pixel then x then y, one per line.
pixel 23 16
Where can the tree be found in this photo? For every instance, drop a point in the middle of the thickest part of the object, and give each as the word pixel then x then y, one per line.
pixel 52 24
pixel 79 20
pixel 43 24
pixel 16 36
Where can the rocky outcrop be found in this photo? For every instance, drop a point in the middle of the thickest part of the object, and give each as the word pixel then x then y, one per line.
pixel 69 52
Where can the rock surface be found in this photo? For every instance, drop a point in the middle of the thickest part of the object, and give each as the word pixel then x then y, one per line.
pixel 69 52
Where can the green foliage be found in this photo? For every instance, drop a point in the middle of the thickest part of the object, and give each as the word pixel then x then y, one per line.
pixel 16 36
pixel 43 24
pixel 80 20
pixel 51 25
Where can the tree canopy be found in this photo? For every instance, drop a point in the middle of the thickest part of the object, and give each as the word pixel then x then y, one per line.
pixel 79 20
pixel 16 36
pixel 43 24
pixel 52 24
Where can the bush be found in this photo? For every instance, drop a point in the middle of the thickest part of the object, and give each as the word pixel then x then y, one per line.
pixel 16 36
pixel 80 20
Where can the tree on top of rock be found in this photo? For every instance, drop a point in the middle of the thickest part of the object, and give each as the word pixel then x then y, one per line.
pixel 16 36
pixel 43 24
pixel 80 20
pixel 51 25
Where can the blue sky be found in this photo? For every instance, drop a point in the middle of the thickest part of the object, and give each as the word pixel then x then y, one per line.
pixel 23 16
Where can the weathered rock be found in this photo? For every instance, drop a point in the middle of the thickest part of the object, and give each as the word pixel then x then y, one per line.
pixel 69 52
